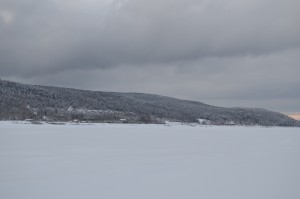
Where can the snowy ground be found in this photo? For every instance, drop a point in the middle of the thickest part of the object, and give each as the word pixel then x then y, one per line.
pixel 148 162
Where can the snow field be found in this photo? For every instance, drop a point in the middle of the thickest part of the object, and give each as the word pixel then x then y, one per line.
pixel 148 162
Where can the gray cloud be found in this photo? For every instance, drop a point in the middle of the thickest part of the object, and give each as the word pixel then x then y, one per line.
pixel 204 50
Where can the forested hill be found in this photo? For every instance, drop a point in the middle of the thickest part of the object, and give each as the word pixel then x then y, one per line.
pixel 43 103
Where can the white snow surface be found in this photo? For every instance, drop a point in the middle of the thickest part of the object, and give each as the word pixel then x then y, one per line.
pixel 118 161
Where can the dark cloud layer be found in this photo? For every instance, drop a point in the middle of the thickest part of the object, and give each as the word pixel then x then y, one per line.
pixel 211 50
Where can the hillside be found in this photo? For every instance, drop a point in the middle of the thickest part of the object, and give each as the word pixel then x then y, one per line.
pixel 21 101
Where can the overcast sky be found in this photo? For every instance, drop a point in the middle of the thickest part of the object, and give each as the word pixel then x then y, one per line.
pixel 226 53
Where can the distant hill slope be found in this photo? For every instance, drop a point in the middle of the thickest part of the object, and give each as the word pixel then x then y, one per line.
pixel 295 116
pixel 21 101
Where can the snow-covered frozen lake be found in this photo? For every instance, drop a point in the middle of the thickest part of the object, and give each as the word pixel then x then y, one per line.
pixel 148 162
